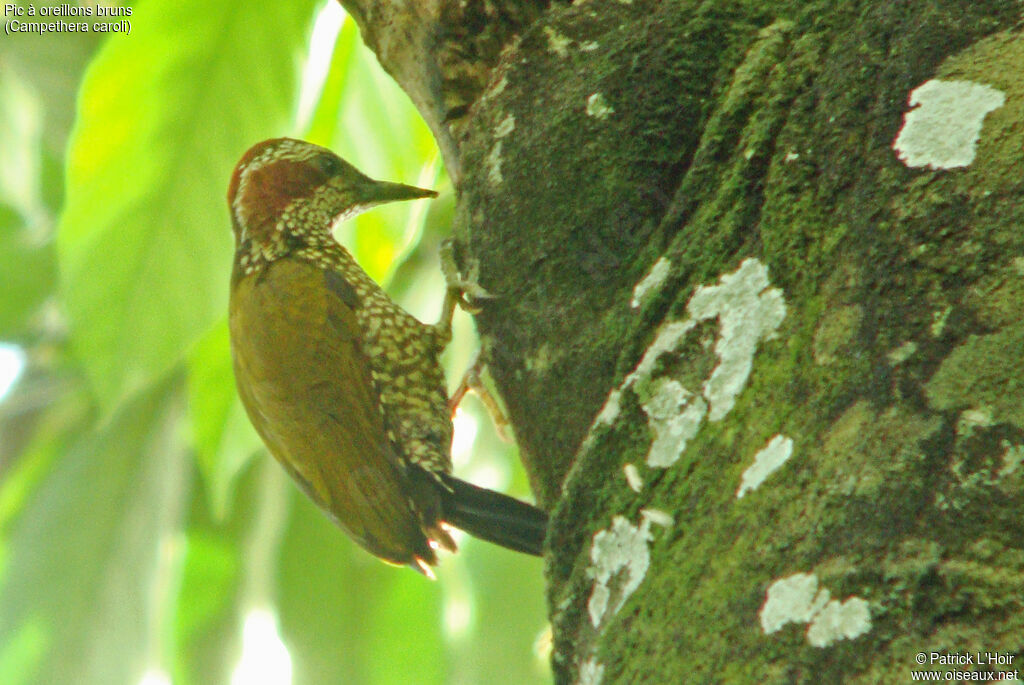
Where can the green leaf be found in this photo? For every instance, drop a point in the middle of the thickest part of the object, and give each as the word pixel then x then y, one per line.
pixel 206 626
pixel 223 438
pixel 219 567
pixel 88 556
pixel 22 654
pixel 28 269
pixel 348 618
pixel 505 592
pixel 51 65
pixel 208 583
pixel 164 114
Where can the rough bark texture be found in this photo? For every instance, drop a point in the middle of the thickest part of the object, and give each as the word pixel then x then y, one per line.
pixel 442 53
pixel 811 302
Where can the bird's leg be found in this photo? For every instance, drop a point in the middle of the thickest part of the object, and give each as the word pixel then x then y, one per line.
pixel 461 289
pixel 465 385
pixel 472 380
pixel 467 285
pixel 444 325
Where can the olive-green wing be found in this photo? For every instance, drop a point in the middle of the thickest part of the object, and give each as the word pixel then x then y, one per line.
pixel 309 390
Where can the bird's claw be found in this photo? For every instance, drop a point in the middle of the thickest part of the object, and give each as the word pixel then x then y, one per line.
pixel 464 289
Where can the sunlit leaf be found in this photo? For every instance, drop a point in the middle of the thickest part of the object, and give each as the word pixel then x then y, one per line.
pixel 506 594
pixel 52 64
pixel 224 439
pixel 164 114
pixel 22 654
pixel 208 582
pixel 347 617
pixel 88 554
pixel 219 571
pixel 28 269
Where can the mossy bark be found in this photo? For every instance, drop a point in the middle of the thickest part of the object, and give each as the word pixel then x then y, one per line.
pixel 611 135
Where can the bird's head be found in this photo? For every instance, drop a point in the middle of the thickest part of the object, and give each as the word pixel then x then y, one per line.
pixel 287 193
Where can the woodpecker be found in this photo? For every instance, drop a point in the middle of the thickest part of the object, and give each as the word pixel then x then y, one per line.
pixel 344 386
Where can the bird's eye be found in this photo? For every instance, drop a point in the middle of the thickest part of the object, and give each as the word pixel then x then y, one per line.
pixel 327 164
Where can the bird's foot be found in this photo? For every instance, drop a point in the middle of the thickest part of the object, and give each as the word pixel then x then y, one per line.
pixel 465 288
pixel 472 380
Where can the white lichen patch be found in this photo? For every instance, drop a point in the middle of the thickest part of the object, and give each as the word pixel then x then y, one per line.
pixel 974 418
pixel 610 411
pixel 748 311
pixel 767 461
pixel 557 43
pixel 598 107
pixel 797 599
pixel 1013 457
pixel 839 621
pixel 674 415
pixel 505 126
pixel 669 337
pixel 591 672
pixel 658 517
pixel 493 161
pixel 902 353
pixel 633 479
pixel 493 164
pixel 598 604
pixel 1018 265
pixel 620 553
pixel 794 599
pixel 541 360
pixel 942 131
pixel 589 46
pixel 652 282
pixel 498 87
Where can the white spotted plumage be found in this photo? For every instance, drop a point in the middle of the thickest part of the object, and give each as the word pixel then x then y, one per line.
pixel 403 353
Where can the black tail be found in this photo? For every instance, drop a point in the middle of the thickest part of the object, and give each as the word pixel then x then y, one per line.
pixel 494 517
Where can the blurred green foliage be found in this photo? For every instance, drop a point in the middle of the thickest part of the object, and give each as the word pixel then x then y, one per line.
pixel 140 521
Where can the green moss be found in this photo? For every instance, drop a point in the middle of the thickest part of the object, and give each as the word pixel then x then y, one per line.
pixel 770 142
pixel 836 332
pixel 984 371
pixel 998 298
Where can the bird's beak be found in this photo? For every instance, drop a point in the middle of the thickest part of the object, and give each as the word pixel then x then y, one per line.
pixel 364 193
pixel 377 192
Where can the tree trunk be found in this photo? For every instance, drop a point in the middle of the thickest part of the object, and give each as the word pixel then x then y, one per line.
pixel 757 271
